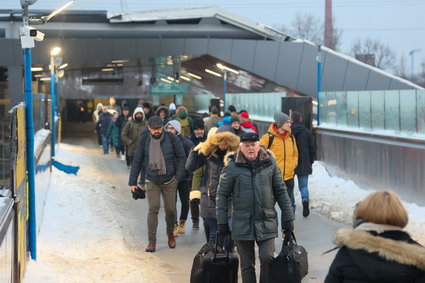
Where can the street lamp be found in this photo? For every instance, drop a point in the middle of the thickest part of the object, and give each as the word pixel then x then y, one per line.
pixel 54 60
pixel 412 53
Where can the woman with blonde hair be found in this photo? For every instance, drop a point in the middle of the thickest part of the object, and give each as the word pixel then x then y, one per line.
pixel 378 250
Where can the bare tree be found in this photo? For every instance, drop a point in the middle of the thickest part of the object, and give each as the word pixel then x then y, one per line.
pixel 401 68
pixel 384 57
pixel 309 27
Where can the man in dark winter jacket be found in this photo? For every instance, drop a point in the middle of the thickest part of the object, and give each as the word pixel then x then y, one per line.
pixel 122 120
pixel 306 154
pixel 252 180
pixel 183 188
pixel 162 157
pixel 102 126
pixel 132 130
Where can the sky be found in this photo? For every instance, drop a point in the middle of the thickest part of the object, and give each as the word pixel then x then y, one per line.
pixel 396 23
pixel 80 238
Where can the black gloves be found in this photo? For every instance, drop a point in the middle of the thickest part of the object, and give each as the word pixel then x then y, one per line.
pixel 139 193
pixel 223 229
pixel 288 228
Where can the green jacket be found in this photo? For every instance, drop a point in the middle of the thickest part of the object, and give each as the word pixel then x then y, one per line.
pixel 114 134
pixel 254 191
pixel 131 133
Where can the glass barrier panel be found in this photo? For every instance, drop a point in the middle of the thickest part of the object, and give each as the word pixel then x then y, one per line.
pixel 365 110
pixel 408 111
pixel 420 97
pixel 392 110
pixel 353 109
pixel 377 98
pixel 323 107
pixel 331 105
pixel 341 108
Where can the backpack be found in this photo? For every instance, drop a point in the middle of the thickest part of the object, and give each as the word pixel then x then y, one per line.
pixel 271 138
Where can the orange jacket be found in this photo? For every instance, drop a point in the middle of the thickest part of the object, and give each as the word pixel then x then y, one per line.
pixel 285 151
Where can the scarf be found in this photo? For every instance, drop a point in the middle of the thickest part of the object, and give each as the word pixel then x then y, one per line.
pixel 156 157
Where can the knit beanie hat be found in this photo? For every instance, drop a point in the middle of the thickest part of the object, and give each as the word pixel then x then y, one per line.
pixel 225 128
pixel 198 124
pixel 234 119
pixel 280 119
pixel 244 115
pixel 176 125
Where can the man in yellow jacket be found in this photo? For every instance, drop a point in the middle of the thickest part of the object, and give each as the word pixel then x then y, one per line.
pixel 281 142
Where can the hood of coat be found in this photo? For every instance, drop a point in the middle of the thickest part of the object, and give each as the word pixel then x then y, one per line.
pixel 162 107
pixel 273 130
pixel 389 249
pixel 297 128
pixel 210 146
pixel 138 110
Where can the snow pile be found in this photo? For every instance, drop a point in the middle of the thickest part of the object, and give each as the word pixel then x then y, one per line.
pixel 335 198
pixel 80 239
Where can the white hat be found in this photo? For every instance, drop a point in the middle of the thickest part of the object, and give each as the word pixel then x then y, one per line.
pixel 176 125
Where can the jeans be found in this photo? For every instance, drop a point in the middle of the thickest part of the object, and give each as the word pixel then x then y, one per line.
pixel 212 225
pixel 303 186
pixel 105 144
pixel 247 258
pixel 154 192
pixel 183 189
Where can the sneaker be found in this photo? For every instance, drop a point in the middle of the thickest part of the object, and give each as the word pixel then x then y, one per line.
pixel 306 209
pixel 122 157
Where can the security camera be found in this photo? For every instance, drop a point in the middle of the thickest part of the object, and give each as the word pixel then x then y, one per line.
pixel 32 32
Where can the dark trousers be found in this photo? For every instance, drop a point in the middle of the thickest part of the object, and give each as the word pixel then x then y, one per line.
pixel 99 137
pixel 183 189
pixel 290 188
pixel 194 209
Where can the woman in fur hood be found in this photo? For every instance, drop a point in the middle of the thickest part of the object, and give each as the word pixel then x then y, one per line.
pixel 211 154
pixel 378 250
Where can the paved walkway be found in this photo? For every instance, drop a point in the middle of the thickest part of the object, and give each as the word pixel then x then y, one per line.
pixel 314 233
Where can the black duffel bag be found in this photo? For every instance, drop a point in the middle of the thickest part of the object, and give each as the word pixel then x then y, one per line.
pixel 291 265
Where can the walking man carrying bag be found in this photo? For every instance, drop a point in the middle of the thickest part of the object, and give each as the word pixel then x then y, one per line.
pixel 160 159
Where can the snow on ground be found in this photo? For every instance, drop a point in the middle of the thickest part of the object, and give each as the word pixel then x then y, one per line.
pixel 335 198
pixel 80 240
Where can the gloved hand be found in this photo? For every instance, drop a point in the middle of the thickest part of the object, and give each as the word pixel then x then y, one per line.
pixel 288 228
pixel 223 229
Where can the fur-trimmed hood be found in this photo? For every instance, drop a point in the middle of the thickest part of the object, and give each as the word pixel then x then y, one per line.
pixel 392 250
pixel 210 146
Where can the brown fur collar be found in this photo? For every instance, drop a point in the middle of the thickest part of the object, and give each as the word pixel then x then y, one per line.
pixel 210 146
pixel 389 249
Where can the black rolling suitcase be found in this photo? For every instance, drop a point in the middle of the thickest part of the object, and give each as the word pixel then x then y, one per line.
pixel 212 265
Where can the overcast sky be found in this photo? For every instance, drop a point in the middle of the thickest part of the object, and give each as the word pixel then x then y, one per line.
pixel 397 23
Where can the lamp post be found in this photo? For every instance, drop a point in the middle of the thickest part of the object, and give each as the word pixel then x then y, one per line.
pixel 319 81
pixel 53 55
pixel 412 54
pixel 27 35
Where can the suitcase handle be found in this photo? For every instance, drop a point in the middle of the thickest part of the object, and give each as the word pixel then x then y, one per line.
pixel 216 247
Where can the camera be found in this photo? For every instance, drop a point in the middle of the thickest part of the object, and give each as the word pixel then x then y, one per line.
pixel 28 35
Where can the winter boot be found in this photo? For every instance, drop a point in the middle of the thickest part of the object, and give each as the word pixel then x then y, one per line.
pixel 171 241
pixel 306 209
pixel 195 224
pixel 176 230
pixel 151 247
pixel 182 227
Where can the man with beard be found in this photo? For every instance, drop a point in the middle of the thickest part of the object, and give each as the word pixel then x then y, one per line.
pixel 132 130
pixel 162 157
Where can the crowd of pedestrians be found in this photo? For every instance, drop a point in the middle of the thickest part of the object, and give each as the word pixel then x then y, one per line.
pixel 224 172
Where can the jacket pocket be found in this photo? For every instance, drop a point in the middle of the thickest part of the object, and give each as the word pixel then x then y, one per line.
pixel 241 224
pixel 270 220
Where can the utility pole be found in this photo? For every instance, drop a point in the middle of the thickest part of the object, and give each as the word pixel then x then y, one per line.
pixel 329 30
